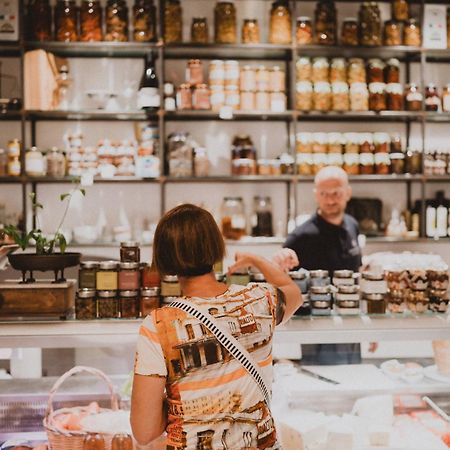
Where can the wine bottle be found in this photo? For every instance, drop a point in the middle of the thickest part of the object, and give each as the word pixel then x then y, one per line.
pixel 148 94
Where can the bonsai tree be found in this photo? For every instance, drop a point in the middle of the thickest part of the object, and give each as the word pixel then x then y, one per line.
pixel 44 245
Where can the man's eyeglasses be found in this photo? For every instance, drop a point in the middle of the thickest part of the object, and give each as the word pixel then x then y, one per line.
pixel 336 193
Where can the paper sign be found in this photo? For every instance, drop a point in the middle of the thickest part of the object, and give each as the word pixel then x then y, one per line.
pixel 435 26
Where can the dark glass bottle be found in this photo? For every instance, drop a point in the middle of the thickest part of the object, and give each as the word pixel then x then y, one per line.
pixel 40 20
pixel 148 94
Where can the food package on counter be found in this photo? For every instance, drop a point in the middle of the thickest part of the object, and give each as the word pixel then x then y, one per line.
pixel 404 261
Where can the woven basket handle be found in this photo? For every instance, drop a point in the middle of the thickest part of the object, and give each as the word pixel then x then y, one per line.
pixel 75 370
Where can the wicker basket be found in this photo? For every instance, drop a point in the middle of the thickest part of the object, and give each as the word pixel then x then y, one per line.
pixel 60 439
pixel 442 356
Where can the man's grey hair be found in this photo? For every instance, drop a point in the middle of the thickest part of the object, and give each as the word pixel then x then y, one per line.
pixel 331 172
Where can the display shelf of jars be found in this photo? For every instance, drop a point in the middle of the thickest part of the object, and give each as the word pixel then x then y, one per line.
pixel 235 115
pixel 115 179
pixel 379 116
pixel 10 115
pixel 95 49
pixel 10 49
pixel 232 179
pixel 371 178
pixel 90 115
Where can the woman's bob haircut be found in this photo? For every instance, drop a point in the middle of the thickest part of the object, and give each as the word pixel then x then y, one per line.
pixel 187 242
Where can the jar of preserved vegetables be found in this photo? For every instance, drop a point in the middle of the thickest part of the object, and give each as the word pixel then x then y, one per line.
pixel 149 300
pixel 320 70
pixel 128 304
pixel 66 21
pixel 400 10
pixel 349 32
pixel 303 69
pixel 359 97
pixel 304 31
pixel 322 96
pixel 413 98
pixel 375 72
pixel 392 33
pixel 199 30
pixel 340 96
pixel 116 17
pixel 338 71
pixel 225 30
pixel 325 23
pixel 377 96
pixel 40 20
pixel 392 71
pixel 144 21
pixel 356 71
pixel 412 35
pixel 370 24
pixel 250 32
pixel 85 304
pixel 107 305
pixel 303 95
pixel 280 23
pixel 91 21
pixel 173 21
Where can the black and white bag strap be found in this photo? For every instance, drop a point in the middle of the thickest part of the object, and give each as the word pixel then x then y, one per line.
pixel 234 347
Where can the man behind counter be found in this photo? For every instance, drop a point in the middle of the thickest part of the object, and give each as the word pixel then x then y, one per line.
pixel 328 240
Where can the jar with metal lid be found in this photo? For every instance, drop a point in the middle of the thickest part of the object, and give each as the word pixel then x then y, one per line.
pixel 106 276
pixel 87 274
pixel 170 286
pixel 377 96
pixel 116 18
pixel 418 300
pixel 277 79
pixel 382 142
pixel 128 276
pixel 280 23
pixel 194 72
pixel 320 70
pixel 413 98
pixel 304 30
pixel 91 21
pixel 34 163
pixel 250 32
pixel 356 71
pixel 56 163
pixel 40 20
pixel 340 99
pixel 130 251
pixel 394 97
pixel 400 10
pixel 349 32
pixel 343 277
pixel 392 71
pixel 128 304
pixel 225 31
pixel 373 283
pixel 301 279
pixel 107 304
pixel 200 97
pixel 144 21
pixel 85 304
pixel 322 96
pixel 199 30
pixel 149 300
pixel 366 143
pixel 320 300
pixel 303 95
pixel 173 22
pixel 375 72
pixel 262 216
pixel 184 97
pixel 370 24
pixel 180 154
pixel 376 303
pixel 257 277
pixel 233 218
pixel 432 98
pixel 359 97
pixel 319 277
pixel 392 33
pixel 240 277
pixel 412 35
pixel 66 21
pixel 325 23
pixel 347 299
pixel 303 69
pixel 149 276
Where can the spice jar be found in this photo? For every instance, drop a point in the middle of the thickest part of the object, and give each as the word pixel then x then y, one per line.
pixel 107 304
pixel 349 32
pixel 200 97
pixel 170 286
pixel 320 300
pixel 356 71
pixel 128 276
pixel 85 304
pixel 91 21
pixel 412 35
pixel 325 22
pixel 199 30
pixel 320 70
pixel 392 71
pixel 40 20
pixel 400 10
pixel 87 274
pixel 392 33
pixel 280 23
pixel 225 23
pixel 128 304
pixel 377 96
pixel 304 31
pixel 375 72
pixel 149 300
pixel 130 251
pixel 432 99
pixel 369 24
pixel 262 216
pixel 413 98
pixel 394 97
pixel 359 97
pixel 144 21
pixel 106 276
pixel 250 32
pixel 66 21
pixel 446 98
pixel 340 96
pixel 233 218
pixel 56 163
pixel 303 69
pixel 322 96
pixel 173 22
pixel 376 303
pixel 304 95
pixel 116 17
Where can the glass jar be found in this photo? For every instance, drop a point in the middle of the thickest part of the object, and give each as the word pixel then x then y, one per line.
pixel 170 286
pixel 397 163
pixel 347 299
pixel 200 97
pixel 91 21
pixel 303 69
pixel 130 251
pixel 56 163
pixel 304 31
pixel 149 300
pixel 262 79
pixel 392 33
pixel 250 32
pixel 343 277
pixel 338 71
pixel 233 218
pixel 446 98
pixel 280 23
pixel 34 163
pixel 382 163
pixel 85 304
pixel 243 156
pixel 122 442
pixel 277 78
pixel 247 101
pixel 377 96
pixel 340 96
pixel 412 35
pixel 106 276
pixel 301 279
pixel 180 154
pixel 173 22
pixel 413 98
pixel 382 142
pixel 199 30
pixel 94 441
pixel 194 72
pixel 304 95
pixel 432 99
pixel 40 20
pixel 66 21
pixel 107 304
pixel 14 166
pixel 325 23
pixel 3 163
pixel 351 163
pixel 356 71
pixel 232 97
pixel 247 80
pixel 319 278
pixel 373 283
pixel 349 32
pixel 225 31
pixel 413 162
pixel 116 18
pixel 87 274
pixel 320 143
pixel 184 97
pixel 392 71
pixel 376 303
pixel 304 163
pixel 262 216
pixel 278 102
pixel 144 21
pixel 400 10
pixel 304 142
pixel 150 277
pixel 335 142
pixel 262 101
pixel 370 24
pixel 128 276
pixel 351 142
pixel 321 300
pixel 375 72
pixel 366 164
pixel 320 70
pixel 359 97
pixel 201 162
pixel 322 96
pixel 128 304
pixel 366 143
pixel 394 97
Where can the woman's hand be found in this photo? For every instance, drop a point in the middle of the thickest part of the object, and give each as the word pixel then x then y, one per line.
pixel 242 261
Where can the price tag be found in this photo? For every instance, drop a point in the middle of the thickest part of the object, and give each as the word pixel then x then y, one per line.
pixel 87 179
pixel 226 112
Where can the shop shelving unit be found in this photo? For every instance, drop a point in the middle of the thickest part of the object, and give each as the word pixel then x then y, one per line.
pixel 287 54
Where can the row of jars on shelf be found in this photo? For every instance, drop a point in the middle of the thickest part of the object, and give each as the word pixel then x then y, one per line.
pixel 91 22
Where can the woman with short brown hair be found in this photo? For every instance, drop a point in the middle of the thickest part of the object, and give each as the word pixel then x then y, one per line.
pixel 210 400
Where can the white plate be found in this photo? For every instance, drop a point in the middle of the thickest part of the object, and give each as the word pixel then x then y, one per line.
pixel 432 372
